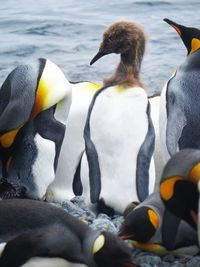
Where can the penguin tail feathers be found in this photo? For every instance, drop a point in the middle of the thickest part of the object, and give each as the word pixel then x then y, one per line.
pixel 8 190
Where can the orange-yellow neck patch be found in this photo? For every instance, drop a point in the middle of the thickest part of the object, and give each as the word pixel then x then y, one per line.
pixel 94 87
pixel 8 138
pixel 153 217
pixel 153 247
pixel 41 94
pixel 167 187
pixel 194 174
pixel 195 45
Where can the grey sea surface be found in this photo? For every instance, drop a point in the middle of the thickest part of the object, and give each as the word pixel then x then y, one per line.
pixel 69 32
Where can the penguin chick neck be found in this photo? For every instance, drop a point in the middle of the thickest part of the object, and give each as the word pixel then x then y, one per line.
pixel 128 40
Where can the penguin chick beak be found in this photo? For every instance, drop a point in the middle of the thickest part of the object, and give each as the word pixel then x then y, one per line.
pixel 97 57
pixel 174 25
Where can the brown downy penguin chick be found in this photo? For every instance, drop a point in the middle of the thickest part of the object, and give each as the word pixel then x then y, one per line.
pixel 128 40
pixel 119 134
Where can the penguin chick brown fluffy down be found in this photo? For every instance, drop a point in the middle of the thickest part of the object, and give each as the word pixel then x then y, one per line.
pixel 180 110
pixel 119 134
pixel 179 187
pixel 151 227
pixel 32 228
pixel 34 105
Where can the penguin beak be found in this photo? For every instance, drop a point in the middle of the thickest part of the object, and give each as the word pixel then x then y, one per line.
pixel 97 57
pixel 125 237
pixel 176 26
pixel 129 264
pixel 194 216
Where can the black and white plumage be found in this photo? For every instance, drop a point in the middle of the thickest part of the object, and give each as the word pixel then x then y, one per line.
pixel 32 228
pixel 179 186
pixel 150 226
pixel 67 180
pixel 179 114
pixel 35 101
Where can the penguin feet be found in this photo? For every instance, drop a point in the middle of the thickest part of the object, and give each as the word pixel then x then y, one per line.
pixel 103 208
pixel 10 190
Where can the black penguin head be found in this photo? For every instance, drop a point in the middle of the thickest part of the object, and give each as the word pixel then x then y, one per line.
pixel 190 36
pixel 179 186
pixel 109 250
pixel 140 225
pixel 119 38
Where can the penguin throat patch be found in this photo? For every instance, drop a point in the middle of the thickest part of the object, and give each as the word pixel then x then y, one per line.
pixel 195 45
pixel 167 187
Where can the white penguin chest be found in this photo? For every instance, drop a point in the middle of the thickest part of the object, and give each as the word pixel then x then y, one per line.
pixel 118 126
pixel 50 262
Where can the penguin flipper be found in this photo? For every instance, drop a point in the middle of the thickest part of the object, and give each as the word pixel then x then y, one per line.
pixel 176 119
pixel 144 159
pixel 169 230
pixel 92 156
pixel 17 95
pixel 77 184
pixel 43 242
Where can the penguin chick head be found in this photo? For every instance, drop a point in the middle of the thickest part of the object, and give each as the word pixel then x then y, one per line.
pixel 120 38
pixel 190 36
pixel 140 225
pixel 179 191
pixel 109 250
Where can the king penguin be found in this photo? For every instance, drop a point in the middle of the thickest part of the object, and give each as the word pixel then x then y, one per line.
pixel 179 187
pixel 67 182
pixel 119 134
pixel 31 228
pixel 34 105
pixel 150 226
pixel 179 110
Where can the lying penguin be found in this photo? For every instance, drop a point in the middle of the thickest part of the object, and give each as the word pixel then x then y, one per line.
pixel 32 228
pixel 179 187
pixel 119 135
pixel 180 112
pixel 34 105
pixel 151 227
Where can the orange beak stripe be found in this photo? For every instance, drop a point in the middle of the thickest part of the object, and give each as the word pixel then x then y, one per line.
pixel 194 216
pixel 177 29
pixel 125 237
pixel 167 187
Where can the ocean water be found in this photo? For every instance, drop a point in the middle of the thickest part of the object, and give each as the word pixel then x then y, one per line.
pixel 69 32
